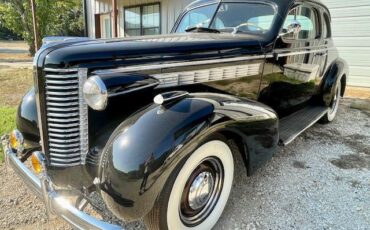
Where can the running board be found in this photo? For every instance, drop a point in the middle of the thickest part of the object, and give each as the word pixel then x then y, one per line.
pixel 295 124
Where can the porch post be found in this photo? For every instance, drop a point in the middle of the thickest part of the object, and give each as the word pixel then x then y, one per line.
pixel 114 18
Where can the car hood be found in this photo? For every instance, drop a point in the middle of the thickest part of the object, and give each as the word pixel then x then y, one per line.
pixel 147 49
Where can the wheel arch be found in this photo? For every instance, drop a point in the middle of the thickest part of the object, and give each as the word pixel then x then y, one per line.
pixel 236 140
pixel 336 74
pixel 343 82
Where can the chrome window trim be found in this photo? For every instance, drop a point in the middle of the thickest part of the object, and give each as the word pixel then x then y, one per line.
pixel 188 9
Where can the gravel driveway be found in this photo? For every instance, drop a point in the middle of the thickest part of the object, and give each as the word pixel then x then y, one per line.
pixel 320 181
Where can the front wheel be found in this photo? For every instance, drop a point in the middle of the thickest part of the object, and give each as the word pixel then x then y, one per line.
pixel 333 109
pixel 198 190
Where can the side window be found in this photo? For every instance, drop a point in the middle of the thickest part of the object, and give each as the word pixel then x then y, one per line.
pixel 326 32
pixel 308 19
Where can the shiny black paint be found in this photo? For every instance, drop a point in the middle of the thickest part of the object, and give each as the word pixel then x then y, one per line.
pixel 169 134
pixel 26 120
pixel 151 49
pixel 335 75
pixel 123 83
pixel 295 73
pixel 190 120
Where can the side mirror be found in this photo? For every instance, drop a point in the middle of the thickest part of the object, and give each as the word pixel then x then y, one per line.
pixel 293 28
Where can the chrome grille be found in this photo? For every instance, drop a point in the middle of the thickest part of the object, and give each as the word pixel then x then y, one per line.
pixel 66 117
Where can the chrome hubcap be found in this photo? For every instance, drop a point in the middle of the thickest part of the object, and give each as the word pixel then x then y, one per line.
pixel 200 190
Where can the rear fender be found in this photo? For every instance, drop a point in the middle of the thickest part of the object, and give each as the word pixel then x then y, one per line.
pixel 332 78
pixel 145 149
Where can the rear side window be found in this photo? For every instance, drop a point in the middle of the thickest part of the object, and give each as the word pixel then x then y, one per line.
pixel 308 19
pixel 326 30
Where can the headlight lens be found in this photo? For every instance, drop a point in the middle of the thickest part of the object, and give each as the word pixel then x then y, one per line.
pixel 16 141
pixel 95 93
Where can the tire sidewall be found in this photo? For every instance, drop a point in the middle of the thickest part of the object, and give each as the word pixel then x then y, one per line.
pixel 333 111
pixel 213 148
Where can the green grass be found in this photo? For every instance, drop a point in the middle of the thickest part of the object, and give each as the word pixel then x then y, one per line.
pixel 7 123
pixel 14 84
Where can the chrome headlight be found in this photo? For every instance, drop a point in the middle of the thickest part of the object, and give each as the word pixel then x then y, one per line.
pixel 95 93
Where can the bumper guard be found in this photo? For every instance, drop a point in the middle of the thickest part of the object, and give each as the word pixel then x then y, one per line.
pixel 55 204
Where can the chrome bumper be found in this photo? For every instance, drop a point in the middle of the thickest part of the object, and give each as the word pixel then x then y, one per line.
pixel 55 204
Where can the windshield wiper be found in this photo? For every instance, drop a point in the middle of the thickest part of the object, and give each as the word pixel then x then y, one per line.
pixel 201 29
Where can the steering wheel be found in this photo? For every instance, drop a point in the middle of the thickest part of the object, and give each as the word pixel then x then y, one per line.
pixel 236 28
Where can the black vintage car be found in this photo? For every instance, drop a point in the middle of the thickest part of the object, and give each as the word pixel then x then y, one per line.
pixel 153 124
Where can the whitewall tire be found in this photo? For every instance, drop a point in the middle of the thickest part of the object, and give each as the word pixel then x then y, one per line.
pixel 198 195
pixel 333 109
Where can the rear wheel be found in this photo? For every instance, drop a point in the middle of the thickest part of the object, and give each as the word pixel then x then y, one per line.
pixel 333 109
pixel 198 190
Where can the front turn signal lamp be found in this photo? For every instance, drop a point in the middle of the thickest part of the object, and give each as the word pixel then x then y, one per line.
pixel 16 141
pixel 38 161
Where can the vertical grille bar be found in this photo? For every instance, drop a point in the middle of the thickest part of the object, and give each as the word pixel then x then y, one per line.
pixel 66 117
pixel 84 127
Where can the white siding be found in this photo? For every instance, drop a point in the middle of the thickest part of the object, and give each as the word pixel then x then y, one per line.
pixel 170 10
pixel 351 32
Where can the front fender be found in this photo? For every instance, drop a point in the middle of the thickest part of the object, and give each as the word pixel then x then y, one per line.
pixel 144 150
pixel 138 149
pixel 26 119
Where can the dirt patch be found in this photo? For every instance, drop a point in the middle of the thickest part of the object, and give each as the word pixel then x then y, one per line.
pixel 300 165
pixel 352 161
pixel 15 57
pixel 321 135
pixel 357 92
pixel 358 143
pixel 14 44
pixel 355 183
pixel 15 82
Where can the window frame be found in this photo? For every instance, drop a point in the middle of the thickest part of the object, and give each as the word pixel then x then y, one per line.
pixel 182 15
pixel 141 6
pixel 326 22
pixel 318 24
pixel 103 27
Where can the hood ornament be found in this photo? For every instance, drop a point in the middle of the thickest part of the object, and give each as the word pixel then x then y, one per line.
pixel 164 98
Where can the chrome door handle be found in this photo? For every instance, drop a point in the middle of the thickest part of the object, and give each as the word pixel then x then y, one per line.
pixel 321 54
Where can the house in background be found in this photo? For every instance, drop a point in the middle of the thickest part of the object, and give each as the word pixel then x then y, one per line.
pixel 350 26
pixel 132 17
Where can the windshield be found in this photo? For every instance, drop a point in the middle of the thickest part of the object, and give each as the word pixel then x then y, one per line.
pixel 230 18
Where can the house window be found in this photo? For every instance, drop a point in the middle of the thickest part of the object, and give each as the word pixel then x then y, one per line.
pixel 107 28
pixel 142 20
pixel 106 25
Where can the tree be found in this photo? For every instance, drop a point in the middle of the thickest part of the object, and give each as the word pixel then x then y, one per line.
pixel 54 18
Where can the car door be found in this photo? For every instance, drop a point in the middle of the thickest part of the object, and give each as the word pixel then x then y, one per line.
pixel 293 72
